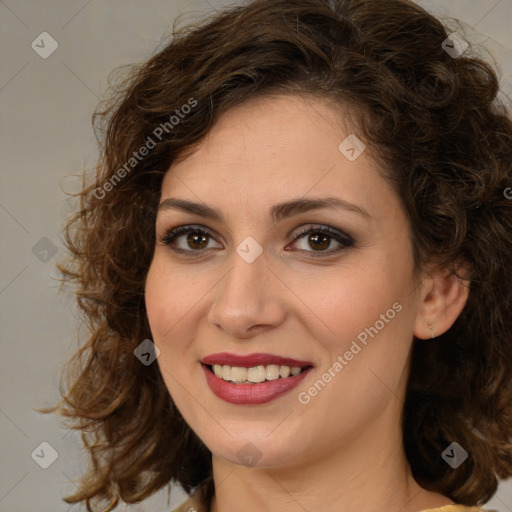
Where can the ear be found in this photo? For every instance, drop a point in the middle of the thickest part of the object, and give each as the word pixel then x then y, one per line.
pixel 442 298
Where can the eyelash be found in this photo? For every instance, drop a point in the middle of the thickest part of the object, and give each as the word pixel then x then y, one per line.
pixel 342 238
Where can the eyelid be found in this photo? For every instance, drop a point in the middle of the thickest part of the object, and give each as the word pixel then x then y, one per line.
pixel 341 237
pixel 322 228
pixel 182 230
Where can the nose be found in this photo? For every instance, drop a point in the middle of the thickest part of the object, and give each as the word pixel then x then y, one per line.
pixel 247 300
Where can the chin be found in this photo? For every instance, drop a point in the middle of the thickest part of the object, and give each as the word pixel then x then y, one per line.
pixel 258 452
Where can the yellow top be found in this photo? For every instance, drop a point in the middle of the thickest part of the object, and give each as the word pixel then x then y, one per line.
pixel 196 504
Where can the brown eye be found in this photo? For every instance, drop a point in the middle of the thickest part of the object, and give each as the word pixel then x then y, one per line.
pixel 318 240
pixel 187 239
pixel 197 240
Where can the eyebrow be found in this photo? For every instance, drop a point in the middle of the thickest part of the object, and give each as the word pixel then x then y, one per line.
pixel 278 212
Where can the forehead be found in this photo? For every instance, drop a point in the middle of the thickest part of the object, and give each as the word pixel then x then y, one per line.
pixel 273 148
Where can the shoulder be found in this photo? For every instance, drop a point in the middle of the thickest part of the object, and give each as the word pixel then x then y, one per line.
pixel 195 503
pixel 191 505
pixel 456 508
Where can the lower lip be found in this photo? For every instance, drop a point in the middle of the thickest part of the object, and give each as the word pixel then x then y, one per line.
pixel 252 394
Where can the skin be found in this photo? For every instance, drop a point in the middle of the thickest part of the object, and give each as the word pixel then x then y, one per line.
pixel 342 450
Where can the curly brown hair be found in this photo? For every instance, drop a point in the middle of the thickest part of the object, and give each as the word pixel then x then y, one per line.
pixel 445 143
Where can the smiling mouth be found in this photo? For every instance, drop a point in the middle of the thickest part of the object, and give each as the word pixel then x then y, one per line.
pixel 255 374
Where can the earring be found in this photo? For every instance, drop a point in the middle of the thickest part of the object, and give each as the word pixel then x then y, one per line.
pixel 432 336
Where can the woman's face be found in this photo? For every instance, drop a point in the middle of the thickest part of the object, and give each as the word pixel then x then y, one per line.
pixel 259 278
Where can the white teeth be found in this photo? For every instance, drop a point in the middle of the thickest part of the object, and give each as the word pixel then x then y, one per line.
pixel 238 374
pixel 254 374
pixel 226 372
pixel 272 372
pixel 284 371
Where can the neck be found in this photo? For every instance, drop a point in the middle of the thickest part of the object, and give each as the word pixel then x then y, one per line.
pixel 370 473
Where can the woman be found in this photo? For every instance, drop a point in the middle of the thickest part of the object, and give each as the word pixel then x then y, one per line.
pixel 294 263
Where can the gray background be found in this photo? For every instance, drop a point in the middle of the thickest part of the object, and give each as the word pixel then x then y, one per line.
pixel 46 142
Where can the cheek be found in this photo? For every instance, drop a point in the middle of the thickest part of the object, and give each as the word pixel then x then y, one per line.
pixel 365 316
pixel 175 300
pixel 170 296
pixel 165 307
pixel 345 303
pixel 365 360
pixel 158 299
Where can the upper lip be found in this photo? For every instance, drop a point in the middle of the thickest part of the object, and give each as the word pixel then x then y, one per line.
pixel 251 360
